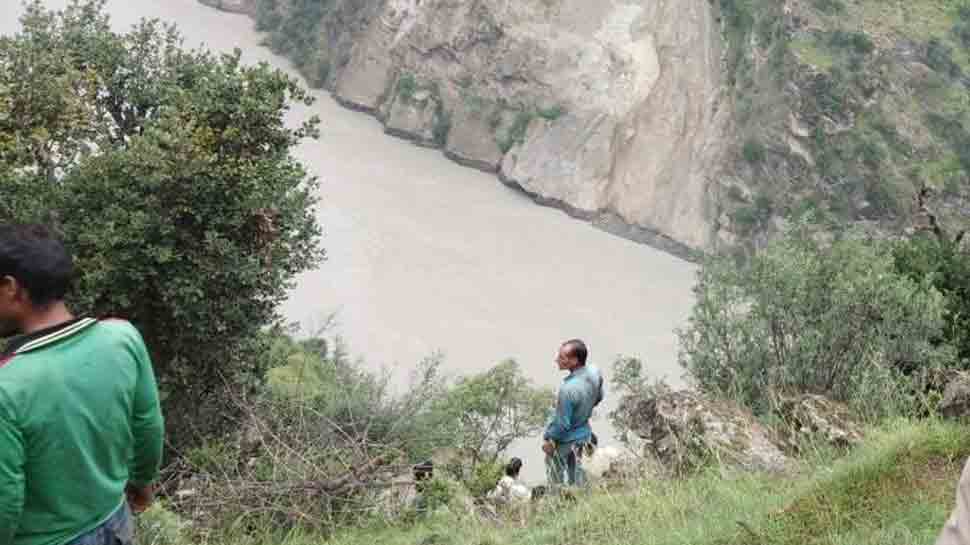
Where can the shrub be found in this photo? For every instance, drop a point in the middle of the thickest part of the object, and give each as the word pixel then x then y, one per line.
pixel 831 7
pixel 407 85
pixel 857 42
pixel 939 57
pixel 489 411
pixel 838 320
pixel 515 134
pixel 942 262
pixel 442 125
pixel 753 151
pixel 552 113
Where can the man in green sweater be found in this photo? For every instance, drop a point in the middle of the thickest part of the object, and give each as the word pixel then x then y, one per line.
pixel 80 423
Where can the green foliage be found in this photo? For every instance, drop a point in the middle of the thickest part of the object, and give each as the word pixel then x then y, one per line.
pixel 295 30
pixel 484 477
pixel 489 411
pixel 552 113
pixel 805 317
pixel 170 174
pixel 159 526
pixel 857 42
pixel 831 7
pixel 515 134
pixel 407 86
pixel 753 151
pixel 942 263
pixel 939 57
pixel 442 124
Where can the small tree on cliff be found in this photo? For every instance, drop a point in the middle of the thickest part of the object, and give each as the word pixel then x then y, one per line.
pixel 170 174
pixel 805 316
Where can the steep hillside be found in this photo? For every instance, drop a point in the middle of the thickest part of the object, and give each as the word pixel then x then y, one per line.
pixel 845 108
pixel 688 124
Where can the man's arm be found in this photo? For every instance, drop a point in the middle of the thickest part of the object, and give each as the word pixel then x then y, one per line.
pixel 147 425
pixel 12 480
pixel 563 421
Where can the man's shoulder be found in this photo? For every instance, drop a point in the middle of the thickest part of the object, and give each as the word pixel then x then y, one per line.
pixel 118 327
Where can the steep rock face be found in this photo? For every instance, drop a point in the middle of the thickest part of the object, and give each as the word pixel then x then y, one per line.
pixel 610 110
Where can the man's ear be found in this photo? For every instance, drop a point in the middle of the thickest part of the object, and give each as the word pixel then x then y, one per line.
pixel 9 289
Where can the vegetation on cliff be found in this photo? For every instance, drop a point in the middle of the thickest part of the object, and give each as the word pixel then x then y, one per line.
pixel 846 109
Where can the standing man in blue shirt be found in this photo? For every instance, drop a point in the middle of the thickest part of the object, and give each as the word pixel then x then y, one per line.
pixel 569 431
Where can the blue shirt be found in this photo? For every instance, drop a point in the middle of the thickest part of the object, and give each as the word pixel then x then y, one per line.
pixel 580 392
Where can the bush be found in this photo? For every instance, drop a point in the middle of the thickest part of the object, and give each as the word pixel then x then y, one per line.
pixel 552 113
pixel 939 57
pixel 442 125
pixel 407 85
pixel 313 444
pixel 489 411
pixel 516 133
pixel 159 526
pixel 929 259
pixel 831 7
pixel 753 151
pixel 804 317
pixel 857 42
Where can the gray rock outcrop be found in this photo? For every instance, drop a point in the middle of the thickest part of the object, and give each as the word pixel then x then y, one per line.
pixel 956 396
pixel 815 417
pixel 681 429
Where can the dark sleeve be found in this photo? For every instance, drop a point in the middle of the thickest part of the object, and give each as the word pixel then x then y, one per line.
pixel 147 425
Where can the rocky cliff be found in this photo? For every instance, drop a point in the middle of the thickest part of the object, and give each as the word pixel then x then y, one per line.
pixel 689 124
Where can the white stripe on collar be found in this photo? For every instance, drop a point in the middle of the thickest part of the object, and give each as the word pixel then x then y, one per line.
pixel 57 335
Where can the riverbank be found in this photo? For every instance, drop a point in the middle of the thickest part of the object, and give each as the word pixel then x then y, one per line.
pixel 560 156
pixel 897 488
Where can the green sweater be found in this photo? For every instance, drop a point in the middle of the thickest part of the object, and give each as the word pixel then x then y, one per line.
pixel 79 419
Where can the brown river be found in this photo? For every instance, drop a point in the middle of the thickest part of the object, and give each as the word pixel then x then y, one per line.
pixel 426 256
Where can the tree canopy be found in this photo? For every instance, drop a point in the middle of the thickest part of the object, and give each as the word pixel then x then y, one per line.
pixel 170 175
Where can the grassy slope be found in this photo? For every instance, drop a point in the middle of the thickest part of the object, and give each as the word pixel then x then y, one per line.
pixel 896 489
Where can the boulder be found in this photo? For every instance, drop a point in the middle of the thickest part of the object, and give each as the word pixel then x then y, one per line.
pixel 683 428
pixel 956 396
pixel 817 417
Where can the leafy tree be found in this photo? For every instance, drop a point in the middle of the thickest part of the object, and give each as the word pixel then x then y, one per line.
pixel 942 262
pixel 804 316
pixel 489 411
pixel 170 174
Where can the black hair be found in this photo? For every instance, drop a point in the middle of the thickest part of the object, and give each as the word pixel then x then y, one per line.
pixel 578 349
pixel 513 468
pixel 424 471
pixel 539 492
pixel 34 257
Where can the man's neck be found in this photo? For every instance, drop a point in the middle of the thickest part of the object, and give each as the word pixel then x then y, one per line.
pixel 43 318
